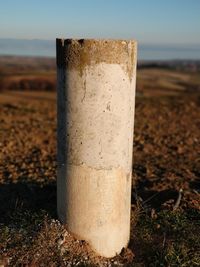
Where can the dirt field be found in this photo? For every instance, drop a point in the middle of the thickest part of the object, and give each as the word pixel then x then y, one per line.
pixel 166 169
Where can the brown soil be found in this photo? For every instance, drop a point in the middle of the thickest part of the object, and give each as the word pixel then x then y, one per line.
pixel 167 149
pixel 166 159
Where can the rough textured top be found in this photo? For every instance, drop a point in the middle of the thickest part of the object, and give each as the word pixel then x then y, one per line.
pixel 77 54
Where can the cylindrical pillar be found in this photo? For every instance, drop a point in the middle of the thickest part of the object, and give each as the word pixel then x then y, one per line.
pixel 96 95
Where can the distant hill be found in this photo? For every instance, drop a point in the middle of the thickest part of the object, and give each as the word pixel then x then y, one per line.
pixel 25 64
pixel 153 77
pixel 27 73
pixel 37 47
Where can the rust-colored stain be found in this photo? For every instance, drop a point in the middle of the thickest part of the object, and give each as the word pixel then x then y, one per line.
pixel 77 54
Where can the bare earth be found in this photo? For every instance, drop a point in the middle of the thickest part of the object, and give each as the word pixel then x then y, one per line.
pixel 166 169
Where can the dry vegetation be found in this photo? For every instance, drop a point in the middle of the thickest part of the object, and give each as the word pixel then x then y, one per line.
pixel 166 160
pixel 26 73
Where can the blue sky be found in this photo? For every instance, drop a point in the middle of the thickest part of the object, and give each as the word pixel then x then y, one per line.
pixel 148 21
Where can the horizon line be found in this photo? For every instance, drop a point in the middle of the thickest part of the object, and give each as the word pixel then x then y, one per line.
pixel 103 38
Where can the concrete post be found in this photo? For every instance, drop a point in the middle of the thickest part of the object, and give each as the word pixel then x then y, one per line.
pixel 96 93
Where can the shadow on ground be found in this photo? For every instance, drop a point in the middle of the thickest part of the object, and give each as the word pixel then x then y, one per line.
pixel 26 196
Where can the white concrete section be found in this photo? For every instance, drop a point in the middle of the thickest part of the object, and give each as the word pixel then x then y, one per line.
pixel 95 140
pixel 100 117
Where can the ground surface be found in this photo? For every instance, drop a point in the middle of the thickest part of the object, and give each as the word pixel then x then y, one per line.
pixel 166 159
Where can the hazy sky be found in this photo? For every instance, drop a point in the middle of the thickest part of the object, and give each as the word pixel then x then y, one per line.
pixel 148 21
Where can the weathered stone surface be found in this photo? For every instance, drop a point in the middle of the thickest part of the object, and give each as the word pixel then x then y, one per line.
pixel 96 93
